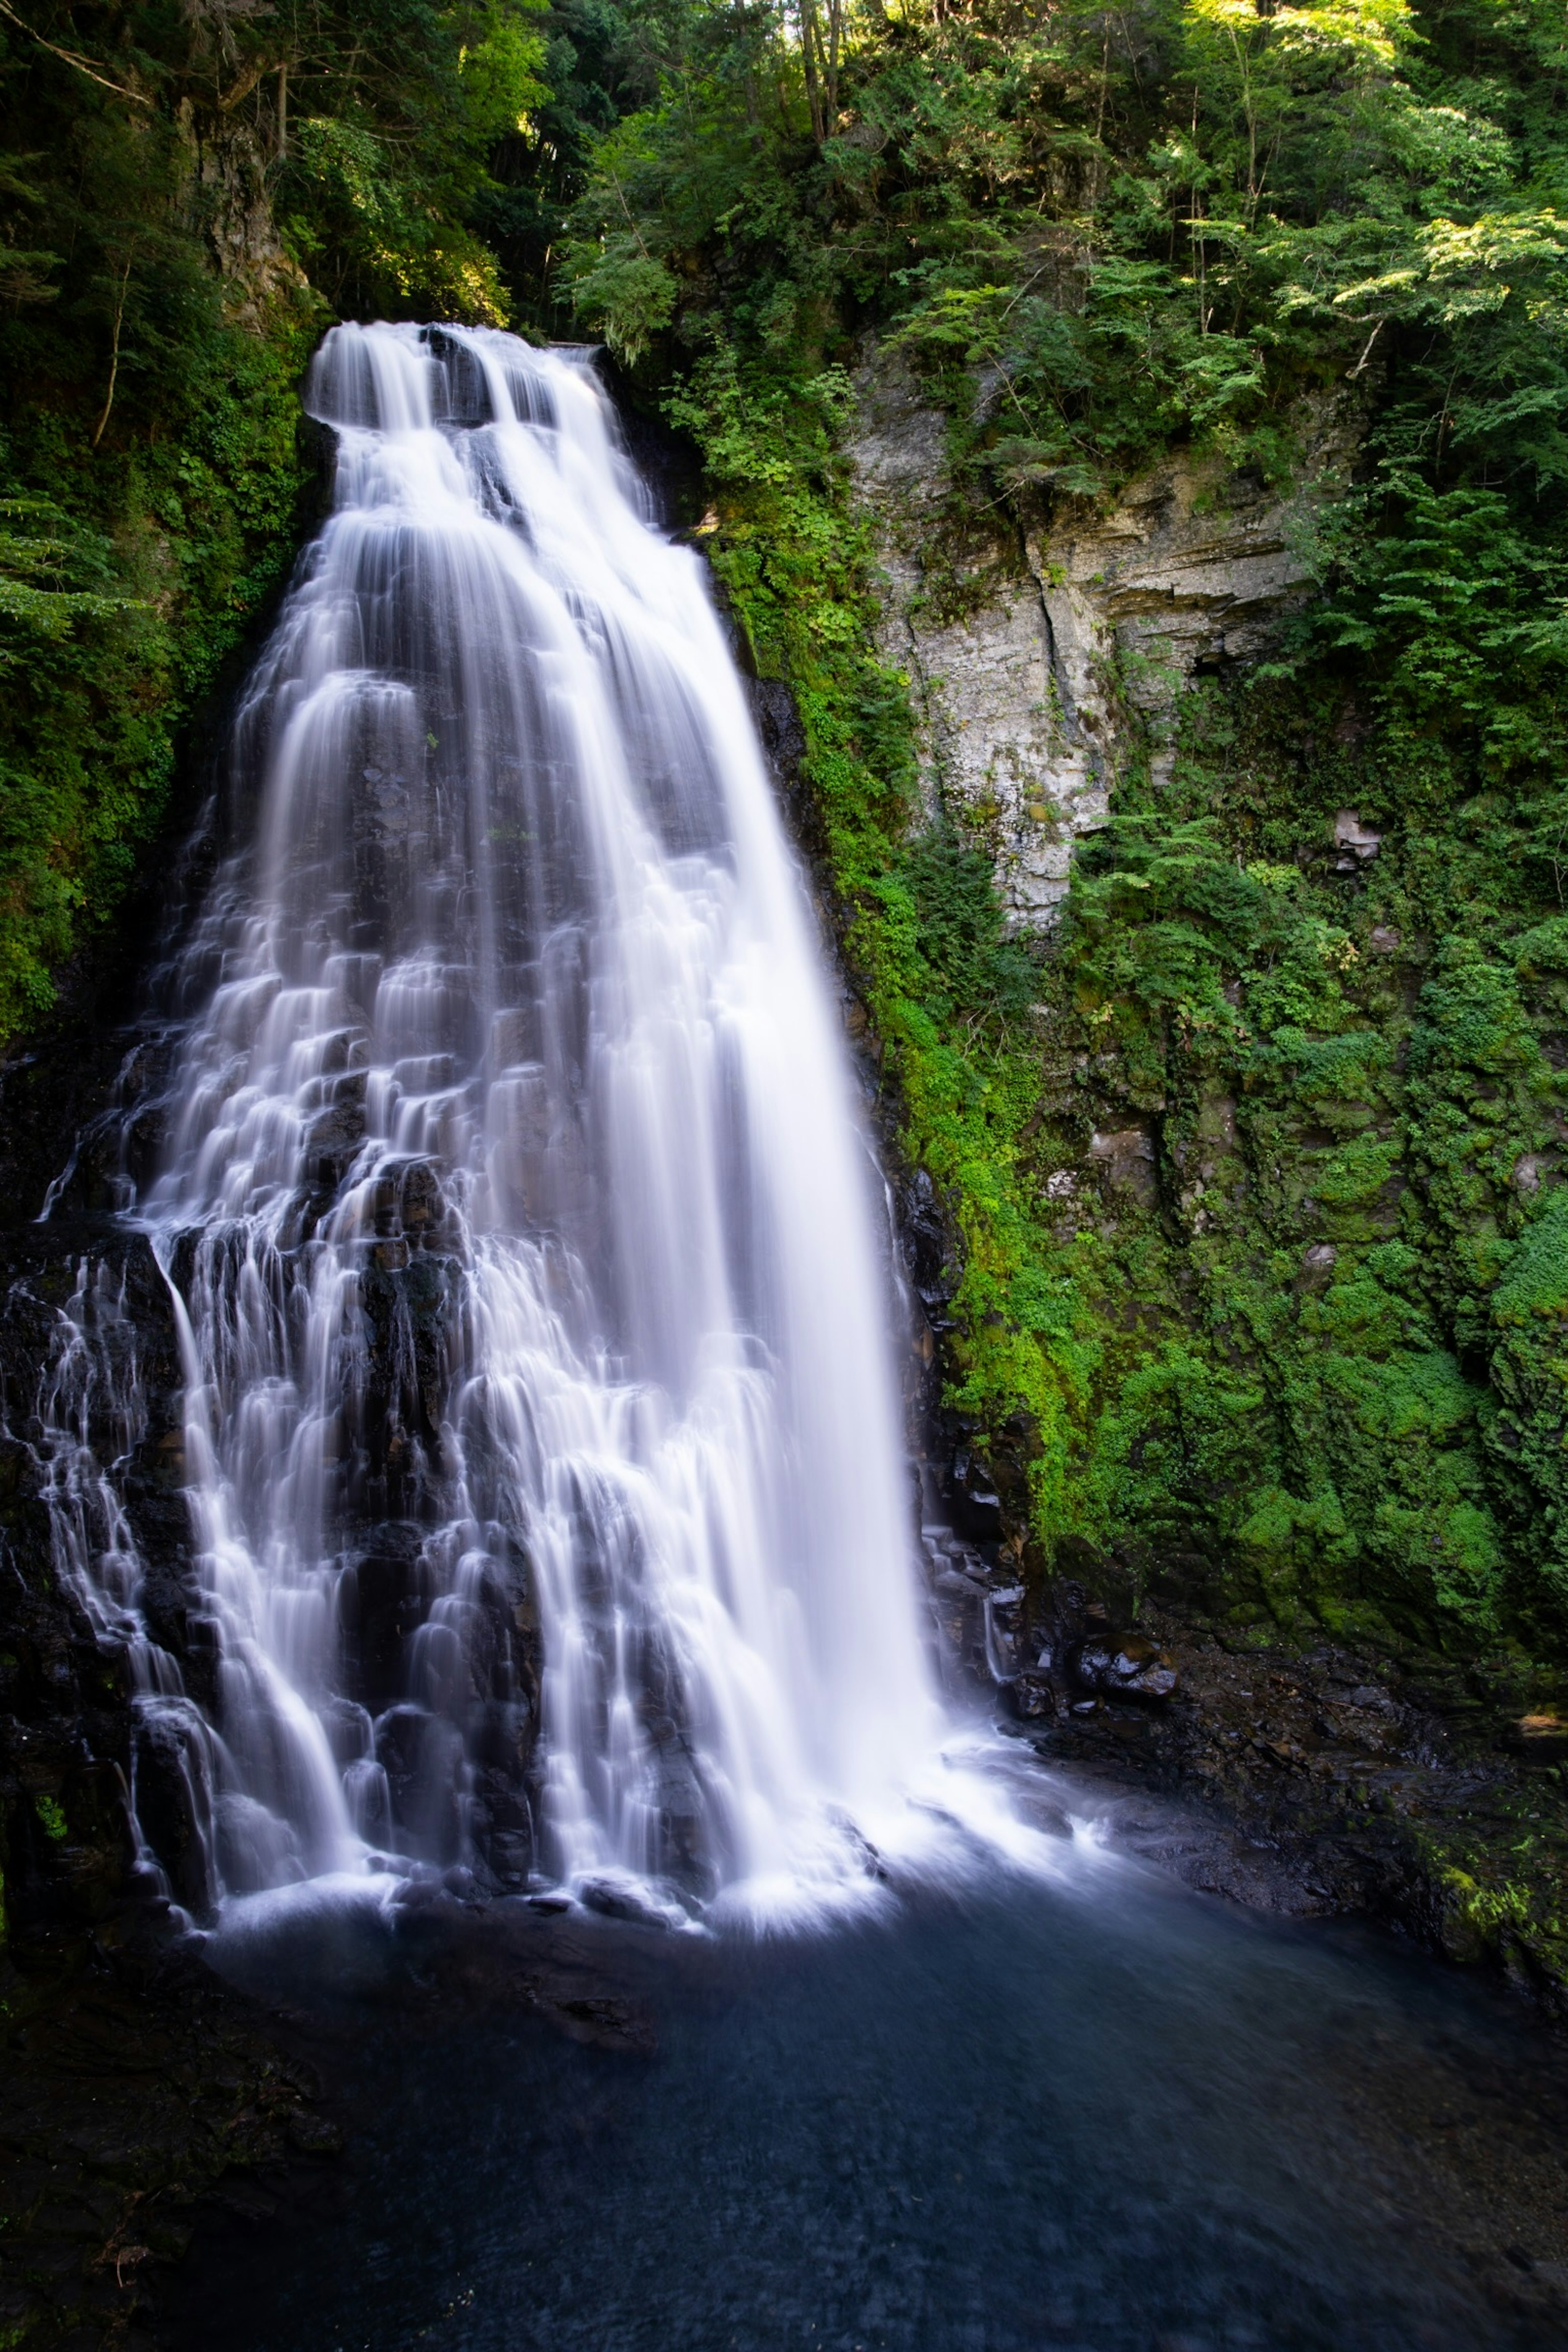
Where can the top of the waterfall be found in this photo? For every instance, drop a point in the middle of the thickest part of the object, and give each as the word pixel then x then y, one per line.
pixel 409 379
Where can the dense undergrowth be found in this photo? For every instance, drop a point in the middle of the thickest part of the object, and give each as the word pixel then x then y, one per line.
pixel 1314 1366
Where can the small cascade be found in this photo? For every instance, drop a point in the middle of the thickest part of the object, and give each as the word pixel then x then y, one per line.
pixel 550 1511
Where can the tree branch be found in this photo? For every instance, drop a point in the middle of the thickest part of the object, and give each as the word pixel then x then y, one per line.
pixel 69 57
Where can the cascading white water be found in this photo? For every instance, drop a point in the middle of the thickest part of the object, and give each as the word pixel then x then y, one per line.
pixel 541 1431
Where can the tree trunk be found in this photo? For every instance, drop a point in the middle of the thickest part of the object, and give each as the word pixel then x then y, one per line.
pixel 808 46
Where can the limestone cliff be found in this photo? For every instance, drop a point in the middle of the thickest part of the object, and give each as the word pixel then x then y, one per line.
pixel 1039 657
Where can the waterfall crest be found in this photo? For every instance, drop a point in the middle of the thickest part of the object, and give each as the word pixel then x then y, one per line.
pixel 549 1497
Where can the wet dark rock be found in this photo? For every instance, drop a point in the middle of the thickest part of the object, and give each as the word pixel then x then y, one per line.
pixel 335 1135
pixel 1303 1780
pixel 502 1826
pixel 72 1888
pixel 132 2097
pixel 868 1855
pixel 421 1755
pixel 462 395
pixel 612 1902
pixel 977 1607
pixel 169 1806
pixel 502 1735
pixel 979 1511
pixel 928 1244
pixel 1311 1788
pixel 1129 1666
pixel 408 1304
pixel 314 2134
pixel 382 1598
pixel 348 1729
pixel 427 1692
pixel 667 461
pixel 779 726
pixel 407 1203
pixel 971 1495
pixel 1032 1695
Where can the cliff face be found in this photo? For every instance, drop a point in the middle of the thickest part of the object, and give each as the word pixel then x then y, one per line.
pixel 1285 1103
pixel 232 167
pixel 1029 651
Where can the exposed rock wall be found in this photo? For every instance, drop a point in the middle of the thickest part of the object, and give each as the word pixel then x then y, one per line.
pixel 233 165
pixel 1036 658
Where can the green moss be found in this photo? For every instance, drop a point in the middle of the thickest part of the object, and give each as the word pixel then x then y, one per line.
pixel 52 1816
pixel 1506 1906
pixel 117 611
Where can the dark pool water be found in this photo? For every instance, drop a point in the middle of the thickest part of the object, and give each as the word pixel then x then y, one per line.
pixel 1102 2113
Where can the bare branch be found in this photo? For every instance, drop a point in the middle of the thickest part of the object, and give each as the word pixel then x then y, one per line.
pixel 137 97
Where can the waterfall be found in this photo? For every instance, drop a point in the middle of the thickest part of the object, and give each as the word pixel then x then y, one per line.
pixel 550 1508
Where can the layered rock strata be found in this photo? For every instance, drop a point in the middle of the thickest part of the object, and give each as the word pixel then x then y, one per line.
pixel 1041 659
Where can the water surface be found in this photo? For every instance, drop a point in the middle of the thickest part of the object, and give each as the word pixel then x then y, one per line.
pixel 1098 2113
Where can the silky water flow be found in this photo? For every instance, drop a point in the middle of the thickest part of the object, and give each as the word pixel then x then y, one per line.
pixel 541 1440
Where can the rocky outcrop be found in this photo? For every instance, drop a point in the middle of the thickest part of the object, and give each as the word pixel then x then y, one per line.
pixel 66 1847
pixel 233 165
pixel 131 2083
pixel 1306 1779
pixel 1320 1779
pixel 1039 658
pixel 1008 744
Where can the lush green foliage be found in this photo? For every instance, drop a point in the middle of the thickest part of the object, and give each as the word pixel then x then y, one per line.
pixel 1318 1344
pixel 186 195
pixel 1355 1112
